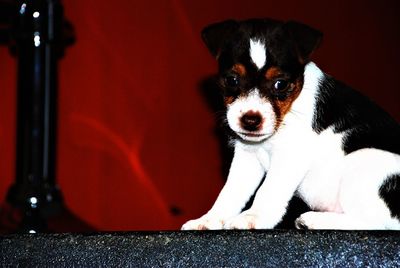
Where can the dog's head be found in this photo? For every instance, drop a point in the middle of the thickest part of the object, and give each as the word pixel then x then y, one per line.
pixel 261 66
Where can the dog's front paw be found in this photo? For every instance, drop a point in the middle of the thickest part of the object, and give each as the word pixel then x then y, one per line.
pixel 301 224
pixel 245 221
pixel 204 223
pixel 315 220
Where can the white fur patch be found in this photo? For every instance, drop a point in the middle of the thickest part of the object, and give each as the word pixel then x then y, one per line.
pixel 258 53
pixel 319 188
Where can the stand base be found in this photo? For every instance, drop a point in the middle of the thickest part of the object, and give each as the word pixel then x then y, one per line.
pixel 12 221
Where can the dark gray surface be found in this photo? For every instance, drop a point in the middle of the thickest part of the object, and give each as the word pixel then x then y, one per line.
pixel 204 249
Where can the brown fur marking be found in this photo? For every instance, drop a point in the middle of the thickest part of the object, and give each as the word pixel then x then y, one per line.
pixel 272 73
pixel 239 69
pixel 228 100
pixel 284 106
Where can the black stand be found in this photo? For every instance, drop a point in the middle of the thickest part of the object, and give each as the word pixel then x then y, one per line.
pixel 38 35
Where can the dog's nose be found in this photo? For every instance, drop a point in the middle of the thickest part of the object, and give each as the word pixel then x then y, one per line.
pixel 251 121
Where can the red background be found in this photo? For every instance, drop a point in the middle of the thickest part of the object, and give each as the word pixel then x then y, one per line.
pixel 136 134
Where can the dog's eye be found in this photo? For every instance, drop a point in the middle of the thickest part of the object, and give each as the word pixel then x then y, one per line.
pixel 280 85
pixel 231 81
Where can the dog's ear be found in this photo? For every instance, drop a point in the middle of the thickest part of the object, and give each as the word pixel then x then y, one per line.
pixel 306 39
pixel 215 35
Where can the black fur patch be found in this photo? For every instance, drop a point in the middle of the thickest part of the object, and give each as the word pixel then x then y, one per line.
pixel 390 193
pixel 365 124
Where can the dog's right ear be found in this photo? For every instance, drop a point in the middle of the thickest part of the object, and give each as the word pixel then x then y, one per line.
pixel 215 35
pixel 306 39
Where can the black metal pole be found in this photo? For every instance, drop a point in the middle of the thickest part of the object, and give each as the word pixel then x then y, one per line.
pixel 39 43
pixel 37 35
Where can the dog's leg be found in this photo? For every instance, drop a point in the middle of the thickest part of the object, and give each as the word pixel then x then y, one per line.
pixel 332 220
pixel 287 168
pixel 361 199
pixel 245 175
pixel 365 172
pixel 338 221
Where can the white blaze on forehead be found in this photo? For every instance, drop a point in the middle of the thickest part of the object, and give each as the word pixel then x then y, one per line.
pixel 258 53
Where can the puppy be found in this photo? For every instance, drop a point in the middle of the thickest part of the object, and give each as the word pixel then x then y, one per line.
pixel 308 134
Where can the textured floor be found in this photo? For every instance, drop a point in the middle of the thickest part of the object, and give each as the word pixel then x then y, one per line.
pixel 203 249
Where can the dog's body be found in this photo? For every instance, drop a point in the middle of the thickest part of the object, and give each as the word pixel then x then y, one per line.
pixel 306 133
